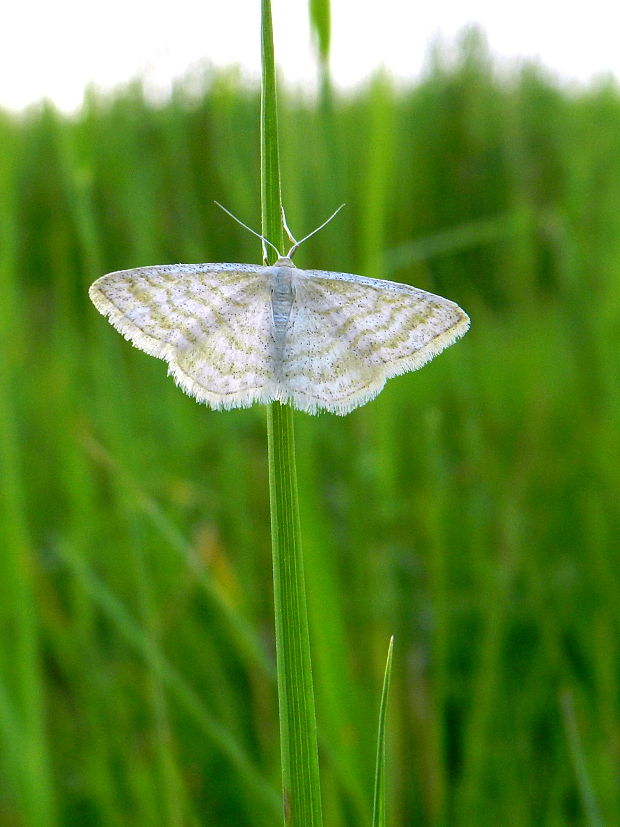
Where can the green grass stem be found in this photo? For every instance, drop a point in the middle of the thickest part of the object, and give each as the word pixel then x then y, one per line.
pixel 379 817
pixel 298 735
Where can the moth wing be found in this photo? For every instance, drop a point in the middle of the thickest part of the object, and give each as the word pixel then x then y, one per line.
pixel 349 334
pixel 210 322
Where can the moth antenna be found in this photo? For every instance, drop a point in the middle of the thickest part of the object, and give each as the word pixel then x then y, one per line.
pixel 249 229
pixel 293 249
pixel 290 235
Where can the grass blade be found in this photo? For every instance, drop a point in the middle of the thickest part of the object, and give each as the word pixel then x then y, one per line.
pixel 379 806
pixel 298 737
pixel 320 19
pixel 584 785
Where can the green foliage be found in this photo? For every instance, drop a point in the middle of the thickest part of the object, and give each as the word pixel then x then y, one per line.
pixel 471 509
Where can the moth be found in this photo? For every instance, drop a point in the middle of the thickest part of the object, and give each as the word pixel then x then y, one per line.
pixel 238 334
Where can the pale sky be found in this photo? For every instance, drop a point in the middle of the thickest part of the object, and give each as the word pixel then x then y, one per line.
pixel 53 49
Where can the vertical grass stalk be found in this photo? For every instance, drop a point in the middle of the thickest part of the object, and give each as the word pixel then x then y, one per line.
pixel 379 818
pixel 298 737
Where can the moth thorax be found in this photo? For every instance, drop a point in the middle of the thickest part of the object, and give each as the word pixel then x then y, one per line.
pixel 282 295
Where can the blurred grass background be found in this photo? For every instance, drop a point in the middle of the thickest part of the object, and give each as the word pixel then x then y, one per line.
pixel 471 509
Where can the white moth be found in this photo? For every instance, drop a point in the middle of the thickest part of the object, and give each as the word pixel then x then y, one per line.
pixel 236 334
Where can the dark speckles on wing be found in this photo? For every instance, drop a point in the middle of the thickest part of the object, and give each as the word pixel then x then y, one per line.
pixel 351 333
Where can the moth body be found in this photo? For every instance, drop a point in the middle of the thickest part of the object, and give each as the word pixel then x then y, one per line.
pixel 282 298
